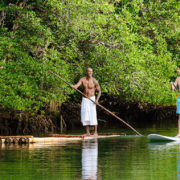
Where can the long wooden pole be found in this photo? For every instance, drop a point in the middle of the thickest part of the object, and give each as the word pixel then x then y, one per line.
pixel 102 107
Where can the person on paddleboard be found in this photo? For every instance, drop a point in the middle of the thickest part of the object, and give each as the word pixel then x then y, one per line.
pixel 88 108
pixel 176 85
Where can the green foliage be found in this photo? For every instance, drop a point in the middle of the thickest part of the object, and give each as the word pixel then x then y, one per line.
pixel 26 83
pixel 131 45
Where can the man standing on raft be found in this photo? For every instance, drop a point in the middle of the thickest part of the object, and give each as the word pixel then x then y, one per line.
pixel 88 108
pixel 174 86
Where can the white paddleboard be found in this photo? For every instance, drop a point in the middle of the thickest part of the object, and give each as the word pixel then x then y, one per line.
pixel 157 137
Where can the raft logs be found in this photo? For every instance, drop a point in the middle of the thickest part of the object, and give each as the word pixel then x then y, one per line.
pixel 15 139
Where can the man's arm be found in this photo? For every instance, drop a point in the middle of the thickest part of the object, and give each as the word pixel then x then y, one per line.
pixel 97 86
pixel 174 85
pixel 77 85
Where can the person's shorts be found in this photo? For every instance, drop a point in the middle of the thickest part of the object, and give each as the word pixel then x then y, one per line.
pixel 178 106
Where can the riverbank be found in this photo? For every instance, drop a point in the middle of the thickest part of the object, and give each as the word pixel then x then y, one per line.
pixel 67 117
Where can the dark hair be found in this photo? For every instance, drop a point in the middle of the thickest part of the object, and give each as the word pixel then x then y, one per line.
pixel 179 66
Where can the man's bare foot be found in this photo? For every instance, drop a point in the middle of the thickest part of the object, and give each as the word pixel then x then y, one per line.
pixel 87 134
pixel 178 135
pixel 95 135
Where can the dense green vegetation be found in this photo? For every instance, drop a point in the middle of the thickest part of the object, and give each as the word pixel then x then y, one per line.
pixel 132 45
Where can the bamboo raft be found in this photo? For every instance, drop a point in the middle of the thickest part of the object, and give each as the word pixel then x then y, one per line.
pixel 52 138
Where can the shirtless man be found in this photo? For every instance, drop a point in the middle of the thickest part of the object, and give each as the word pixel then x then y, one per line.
pixel 174 86
pixel 88 108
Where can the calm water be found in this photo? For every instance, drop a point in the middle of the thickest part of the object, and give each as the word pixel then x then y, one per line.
pixel 123 158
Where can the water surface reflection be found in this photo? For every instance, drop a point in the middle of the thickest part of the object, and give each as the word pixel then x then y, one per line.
pixel 166 155
pixel 124 158
pixel 89 159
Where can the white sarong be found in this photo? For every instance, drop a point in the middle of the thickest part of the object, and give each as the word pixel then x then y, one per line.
pixel 88 112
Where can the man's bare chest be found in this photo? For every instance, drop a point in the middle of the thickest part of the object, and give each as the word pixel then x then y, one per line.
pixel 88 84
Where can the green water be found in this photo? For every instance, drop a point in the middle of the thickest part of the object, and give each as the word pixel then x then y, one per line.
pixel 129 157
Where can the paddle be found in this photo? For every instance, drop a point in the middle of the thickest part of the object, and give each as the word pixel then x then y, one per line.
pixel 102 107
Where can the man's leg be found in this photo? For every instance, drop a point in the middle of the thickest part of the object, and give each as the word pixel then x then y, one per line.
pixel 178 125
pixel 87 131
pixel 95 130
